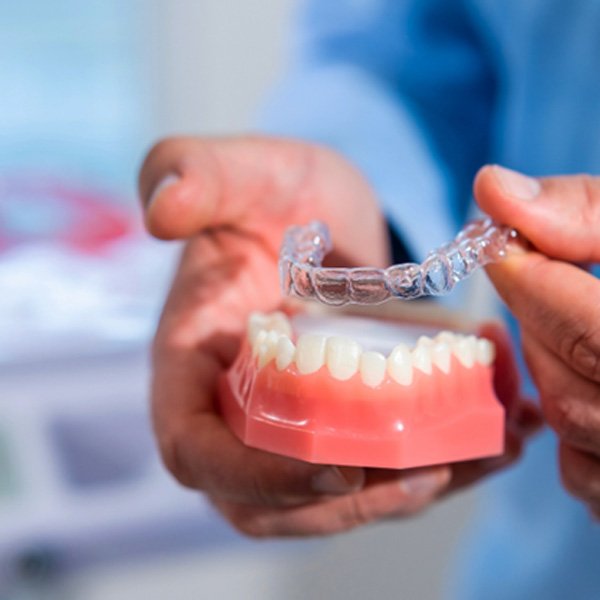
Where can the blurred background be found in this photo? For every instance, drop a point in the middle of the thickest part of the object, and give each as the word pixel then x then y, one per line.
pixel 86 510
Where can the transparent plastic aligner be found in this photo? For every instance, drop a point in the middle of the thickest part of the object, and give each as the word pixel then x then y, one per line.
pixel 480 242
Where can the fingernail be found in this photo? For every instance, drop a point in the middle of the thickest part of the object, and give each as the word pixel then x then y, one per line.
pixel 424 484
pixel 165 182
pixel 516 184
pixel 338 480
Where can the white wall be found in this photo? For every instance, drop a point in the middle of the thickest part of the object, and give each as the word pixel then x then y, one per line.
pixel 215 59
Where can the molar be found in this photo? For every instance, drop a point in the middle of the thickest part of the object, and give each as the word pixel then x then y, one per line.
pixel 485 352
pixel 310 353
pixel 464 350
pixel 372 368
pixel 342 357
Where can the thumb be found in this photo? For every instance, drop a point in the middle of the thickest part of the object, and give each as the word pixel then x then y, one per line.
pixel 560 216
pixel 259 186
pixel 188 185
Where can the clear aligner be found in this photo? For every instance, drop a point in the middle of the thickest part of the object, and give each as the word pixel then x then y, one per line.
pixel 480 242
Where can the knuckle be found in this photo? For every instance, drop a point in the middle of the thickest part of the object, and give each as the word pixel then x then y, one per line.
pixel 357 512
pixel 260 493
pixel 576 422
pixel 567 419
pixel 582 349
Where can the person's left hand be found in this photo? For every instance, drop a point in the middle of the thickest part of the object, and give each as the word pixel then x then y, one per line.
pixel 557 303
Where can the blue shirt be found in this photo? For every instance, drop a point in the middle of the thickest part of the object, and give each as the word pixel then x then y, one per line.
pixel 419 94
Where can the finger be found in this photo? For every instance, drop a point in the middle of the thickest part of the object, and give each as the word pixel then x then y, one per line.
pixel 196 445
pixel 391 495
pixel 221 278
pixel 523 416
pixel 559 215
pixel 570 402
pixel 188 185
pixel 555 300
pixel 203 454
pixel 507 382
pixel 580 474
pixel 191 184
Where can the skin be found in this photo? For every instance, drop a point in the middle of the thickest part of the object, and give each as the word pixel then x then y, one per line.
pixel 231 201
pixel 556 302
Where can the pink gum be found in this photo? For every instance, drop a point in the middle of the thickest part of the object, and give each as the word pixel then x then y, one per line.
pixel 440 418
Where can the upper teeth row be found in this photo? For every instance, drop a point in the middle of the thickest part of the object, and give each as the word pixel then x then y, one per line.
pixel 270 338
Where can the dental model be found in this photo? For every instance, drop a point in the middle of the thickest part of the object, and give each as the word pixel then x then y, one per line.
pixel 303 249
pixel 372 402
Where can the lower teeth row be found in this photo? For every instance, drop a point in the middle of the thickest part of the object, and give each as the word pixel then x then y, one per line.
pixel 344 357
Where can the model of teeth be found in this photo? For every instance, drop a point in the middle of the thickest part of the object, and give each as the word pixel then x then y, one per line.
pixel 270 337
pixel 388 399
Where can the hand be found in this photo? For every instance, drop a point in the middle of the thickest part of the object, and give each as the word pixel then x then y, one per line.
pixel 558 306
pixel 233 199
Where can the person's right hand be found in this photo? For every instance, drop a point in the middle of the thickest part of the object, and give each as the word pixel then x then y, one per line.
pixel 233 199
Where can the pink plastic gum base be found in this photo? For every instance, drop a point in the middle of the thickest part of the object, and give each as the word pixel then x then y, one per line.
pixel 440 418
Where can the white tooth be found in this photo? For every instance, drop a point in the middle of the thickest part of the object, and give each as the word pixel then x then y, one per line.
pixel 310 353
pixel 441 355
pixel 446 337
pixel 399 365
pixel 256 323
pixel 485 351
pixel 259 340
pixel 265 354
pixel 473 343
pixel 342 356
pixel 267 350
pixel 463 350
pixel 273 336
pixel 285 352
pixel 424 341
pixel 421 357
pixel 372 368
pixel 277 321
